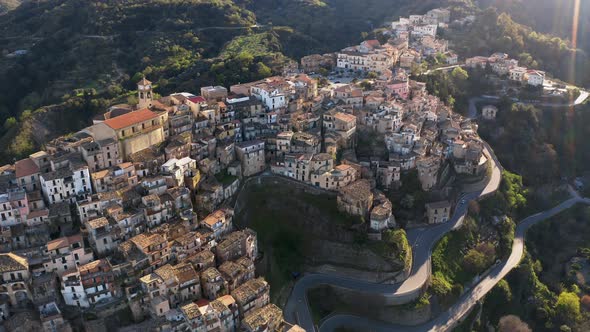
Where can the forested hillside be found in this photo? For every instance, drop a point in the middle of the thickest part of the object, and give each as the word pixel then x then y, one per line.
pixel 91 52
pixel 558 17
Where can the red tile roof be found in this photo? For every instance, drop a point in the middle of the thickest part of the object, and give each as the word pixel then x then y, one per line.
pixel 197 99
pixel 129 119
pixel 26 167
pixel 201 302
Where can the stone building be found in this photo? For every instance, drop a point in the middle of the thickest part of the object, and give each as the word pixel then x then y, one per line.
pixel 16 279
pixel 356 199
pixel 252 157
pixel 267 318
pixel 213 284
pixel 253 294
pixel 428 172
pixel 382 215
pixel 236 245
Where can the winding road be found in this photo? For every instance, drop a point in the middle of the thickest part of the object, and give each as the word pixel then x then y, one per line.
pixel 423 240
pixel 449 319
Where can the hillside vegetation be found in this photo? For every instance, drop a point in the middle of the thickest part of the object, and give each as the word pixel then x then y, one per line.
pixel 558 16
pixel 495 31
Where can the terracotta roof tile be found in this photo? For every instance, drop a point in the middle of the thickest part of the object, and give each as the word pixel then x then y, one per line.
pixel 12 262
pixel 130 119
pixel 26 167
pixel 63 242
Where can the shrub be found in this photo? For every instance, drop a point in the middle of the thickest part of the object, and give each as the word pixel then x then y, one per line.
pixel 512 323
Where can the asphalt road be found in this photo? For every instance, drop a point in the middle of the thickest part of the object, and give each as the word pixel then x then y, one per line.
pixel 449 319
pixel 422 241
pixel 473 101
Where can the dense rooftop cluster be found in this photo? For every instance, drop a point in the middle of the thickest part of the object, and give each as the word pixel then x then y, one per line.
pixel 134 208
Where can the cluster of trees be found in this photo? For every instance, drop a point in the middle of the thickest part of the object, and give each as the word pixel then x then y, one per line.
pixel 512 323
pixel 479 258
pixel 537 291
pixel 523 295
pixel 238 69
pixel 331 25
pixel 541 145
pixel 510 200
pixel 448 86
pixel 458 258
pixel 539 15
pixel 455 88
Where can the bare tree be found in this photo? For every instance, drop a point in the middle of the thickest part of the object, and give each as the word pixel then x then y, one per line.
pixel 512 323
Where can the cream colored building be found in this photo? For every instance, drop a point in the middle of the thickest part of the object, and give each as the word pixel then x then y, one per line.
pixel 438 212
pixel 15 279
pixel 135 131
pixel 338 177
pixel 489 112
pixel 356 199
pixel 252 157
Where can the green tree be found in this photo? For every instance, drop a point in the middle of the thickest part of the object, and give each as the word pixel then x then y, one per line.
pixel 459 74
pixel 506 230
pixel 9 123
pixel 474 261
pixel 440 285
pixel 513 191
pixel 567 307
pixel 498 298
pixel 397 240
pixel 372 74
pixel 132 100
pixel 263 70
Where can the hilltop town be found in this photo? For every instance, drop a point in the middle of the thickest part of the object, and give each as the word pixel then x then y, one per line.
pixel 133 215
